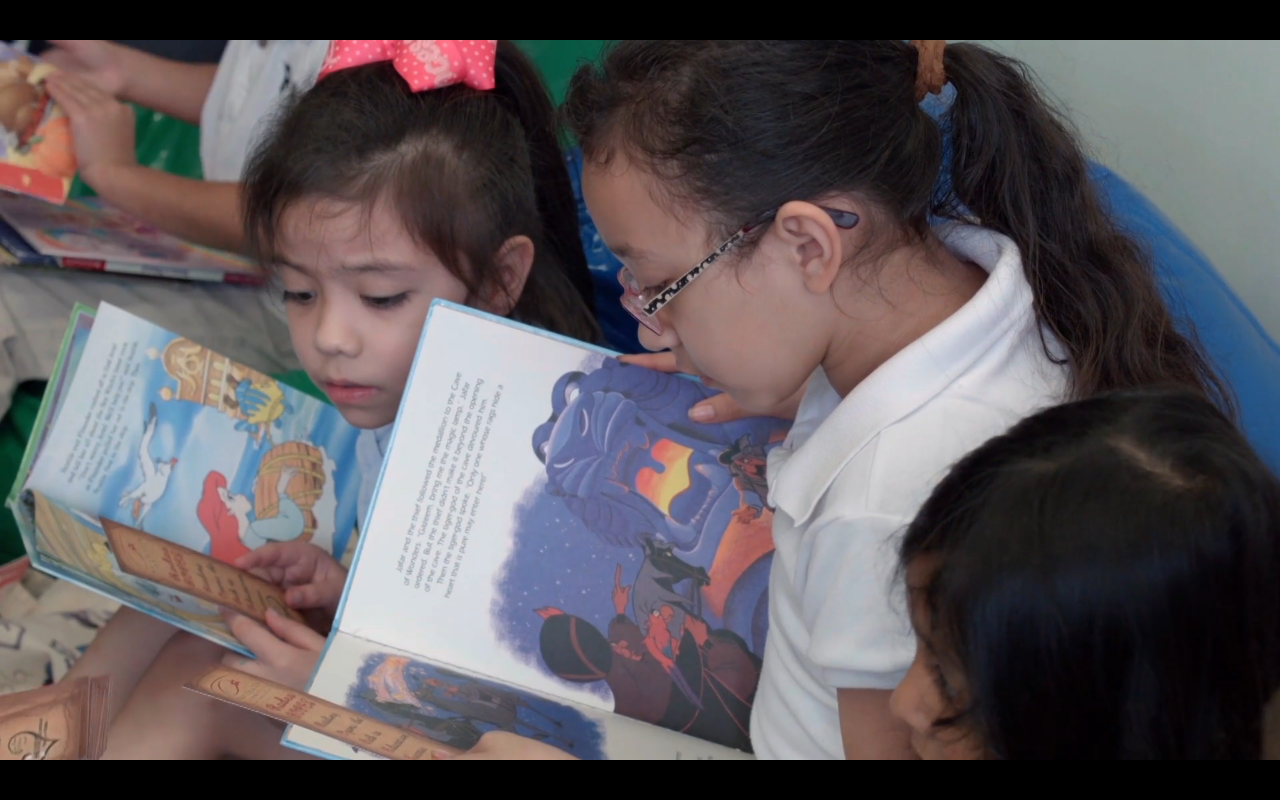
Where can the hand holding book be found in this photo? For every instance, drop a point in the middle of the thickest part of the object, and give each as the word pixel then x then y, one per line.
pixel 102 127
pixel 285 651
pixel 312 579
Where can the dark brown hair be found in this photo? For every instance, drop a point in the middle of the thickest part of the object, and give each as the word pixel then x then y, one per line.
pixel 736 128
pixel 465 169
pixel 1106 578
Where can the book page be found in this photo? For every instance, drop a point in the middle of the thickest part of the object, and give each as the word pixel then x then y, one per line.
pixel 161 434
pixel 455 708
pixel 73 546
pixel 550 517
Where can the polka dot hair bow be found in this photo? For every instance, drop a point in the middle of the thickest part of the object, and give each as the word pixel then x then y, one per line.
pixel 423 63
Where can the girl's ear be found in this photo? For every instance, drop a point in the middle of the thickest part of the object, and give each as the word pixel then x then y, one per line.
pixel 814 244
pixel 514 260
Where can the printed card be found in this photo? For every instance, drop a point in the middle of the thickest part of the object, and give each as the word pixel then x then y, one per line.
pixel 312 713
pixel 151 558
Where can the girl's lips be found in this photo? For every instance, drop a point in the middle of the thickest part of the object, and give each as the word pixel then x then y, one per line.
pixel 349 393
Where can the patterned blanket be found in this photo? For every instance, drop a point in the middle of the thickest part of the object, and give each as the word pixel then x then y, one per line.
pixel 45 625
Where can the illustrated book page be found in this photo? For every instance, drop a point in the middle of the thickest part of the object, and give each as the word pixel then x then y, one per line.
pixel 155 432
pixel 382 686
pixel 551 518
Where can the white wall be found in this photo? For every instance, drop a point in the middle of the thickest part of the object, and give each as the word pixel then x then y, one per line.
pixel 1196 127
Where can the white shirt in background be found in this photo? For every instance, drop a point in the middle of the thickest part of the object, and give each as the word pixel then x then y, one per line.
pixel 254 77
pixel 852 474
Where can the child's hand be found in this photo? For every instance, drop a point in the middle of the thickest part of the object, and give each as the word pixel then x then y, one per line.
pixel 503 746
pixel 720 408
pixel 313 580
pixel 96 60
pixel 102 128
pixel 285 651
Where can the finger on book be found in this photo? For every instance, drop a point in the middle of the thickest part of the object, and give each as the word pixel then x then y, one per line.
pixel 294 633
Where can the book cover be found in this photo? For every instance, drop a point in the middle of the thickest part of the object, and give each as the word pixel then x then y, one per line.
pixel 18 251
pixel 65 721
pixel 549 520
pixel 36 154
pixel 90 234
pixel 150 430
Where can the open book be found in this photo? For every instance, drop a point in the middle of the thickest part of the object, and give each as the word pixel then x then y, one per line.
pixel 89 234
pixel 36 154
pixel 555 550
pixel 147 429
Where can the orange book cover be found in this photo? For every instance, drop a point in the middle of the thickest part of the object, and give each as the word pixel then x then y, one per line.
pixel 36 153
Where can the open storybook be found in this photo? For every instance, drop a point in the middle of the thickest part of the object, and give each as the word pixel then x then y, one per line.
pixel 143 430
pixel 555 550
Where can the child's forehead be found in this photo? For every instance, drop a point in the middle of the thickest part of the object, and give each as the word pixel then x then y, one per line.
pixel 330 236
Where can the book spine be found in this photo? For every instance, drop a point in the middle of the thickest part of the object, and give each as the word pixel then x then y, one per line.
pixel 126 268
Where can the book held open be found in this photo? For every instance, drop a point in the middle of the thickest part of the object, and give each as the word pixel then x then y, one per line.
pixel 555 550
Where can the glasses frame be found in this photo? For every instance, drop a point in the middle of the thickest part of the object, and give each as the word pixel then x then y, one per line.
pixel 645 311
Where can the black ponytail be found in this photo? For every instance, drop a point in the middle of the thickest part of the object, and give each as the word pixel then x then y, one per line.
pixel 465 169
pixel 525 94
pixel 1017 167
pixel 736 127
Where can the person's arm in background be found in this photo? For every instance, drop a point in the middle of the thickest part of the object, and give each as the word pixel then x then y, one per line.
pixel 160 84
pixel 103 129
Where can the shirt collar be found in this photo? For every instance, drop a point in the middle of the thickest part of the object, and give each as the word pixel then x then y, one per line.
pixel 802 472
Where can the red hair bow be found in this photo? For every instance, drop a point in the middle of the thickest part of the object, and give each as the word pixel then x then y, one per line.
pixel 423 63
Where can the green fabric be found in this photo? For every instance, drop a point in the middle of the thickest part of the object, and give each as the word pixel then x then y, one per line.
pixel 299 380
pixel 163 143
pixel 15 429
pixel 558 59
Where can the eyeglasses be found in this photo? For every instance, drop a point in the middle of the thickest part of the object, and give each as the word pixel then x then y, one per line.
pixel 644 304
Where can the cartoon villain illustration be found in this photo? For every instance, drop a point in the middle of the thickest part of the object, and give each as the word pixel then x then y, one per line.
pixel 683 508
pixel 457 710
pixel 623 454
pixel 620 451
pixel 155 474
pixel 702 682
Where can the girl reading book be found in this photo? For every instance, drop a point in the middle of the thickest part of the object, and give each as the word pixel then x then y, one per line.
pixel 413 170
pixel 776 207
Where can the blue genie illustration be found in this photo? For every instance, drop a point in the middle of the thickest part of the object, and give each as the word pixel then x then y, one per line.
pixel 620 450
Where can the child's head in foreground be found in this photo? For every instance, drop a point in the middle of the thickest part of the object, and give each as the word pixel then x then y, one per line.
pixel 1102 581
pixel 370 199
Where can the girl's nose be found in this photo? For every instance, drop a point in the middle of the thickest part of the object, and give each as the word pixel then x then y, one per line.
pixel 336 334
pixel 911 702
pixel 649 340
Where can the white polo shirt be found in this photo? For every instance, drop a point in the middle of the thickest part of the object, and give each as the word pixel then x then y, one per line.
pixel 851 476
pixel 254 77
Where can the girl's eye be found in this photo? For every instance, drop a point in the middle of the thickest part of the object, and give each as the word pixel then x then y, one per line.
pixel 301 298
pixel 384 303
pixel 944 686
pixel 651 292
